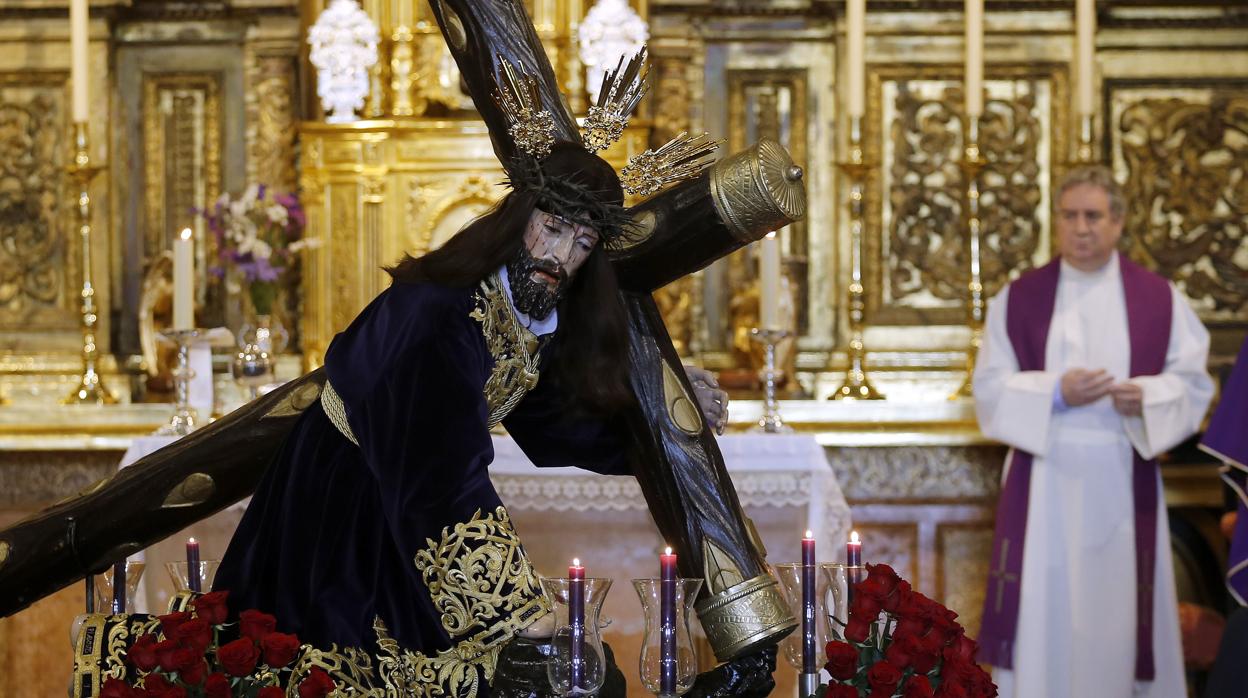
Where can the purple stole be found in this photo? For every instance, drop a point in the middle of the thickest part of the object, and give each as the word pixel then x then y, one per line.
pixel 1227 438
pixel 1029 313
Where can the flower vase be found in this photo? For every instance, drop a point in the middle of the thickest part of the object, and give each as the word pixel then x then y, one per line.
pixel 576 665
pixel 682 668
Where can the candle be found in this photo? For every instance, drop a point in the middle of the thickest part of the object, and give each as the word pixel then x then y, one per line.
pixel 576 618
pixel 853 550
pixel 974 58
pixel 119 587
pixel 90 584
pixel 1085 32
pixel 78 57
pixel 855 39
pixel 192 565
pixel 769 282
pixel 183 281
pixel 808 604
pixel 667 610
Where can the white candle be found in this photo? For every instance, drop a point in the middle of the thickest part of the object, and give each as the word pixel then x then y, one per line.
pixel 974 58
pixel 78 56
pixel 769 282
pixel 1085 33
pixel 855 38
pixel 183 281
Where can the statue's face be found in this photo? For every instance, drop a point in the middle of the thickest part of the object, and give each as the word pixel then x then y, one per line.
pixel 554 250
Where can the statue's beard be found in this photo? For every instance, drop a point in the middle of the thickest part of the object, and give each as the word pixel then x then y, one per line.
pixel 530 296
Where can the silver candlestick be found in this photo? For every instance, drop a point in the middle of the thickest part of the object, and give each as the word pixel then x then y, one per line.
pixel 770 422
pixel 808 685
pixel 185 417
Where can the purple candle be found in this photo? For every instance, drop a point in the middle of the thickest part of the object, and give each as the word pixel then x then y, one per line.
pixel 119 587
pixel 192 565
pixel 853 560
pixel 808 604
pixel 576 618
pixel 667 636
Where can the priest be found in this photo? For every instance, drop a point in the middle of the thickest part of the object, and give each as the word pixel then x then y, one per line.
pixel 1091 367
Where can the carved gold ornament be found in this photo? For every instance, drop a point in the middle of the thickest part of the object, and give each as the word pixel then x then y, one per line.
pixel 621 90
pixel 738 617
pixel 758 190
pixel 515 349
pixel 679 159
pixel 532 128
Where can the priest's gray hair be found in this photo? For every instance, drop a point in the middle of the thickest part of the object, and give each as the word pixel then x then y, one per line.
pixel 1099 176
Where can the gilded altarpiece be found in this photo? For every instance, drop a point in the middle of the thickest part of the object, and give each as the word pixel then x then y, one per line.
pixel 38 267
pixel 1180 148
pixel 918 258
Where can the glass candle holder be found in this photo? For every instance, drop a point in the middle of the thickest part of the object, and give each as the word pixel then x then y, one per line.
pixel 790 576
pixel 576 665
pixel 104 597
pixel 683 667
pixel 839 580
pixel 180 573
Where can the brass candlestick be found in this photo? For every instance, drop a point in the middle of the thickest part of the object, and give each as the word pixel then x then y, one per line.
pixel 89 390
pixel 770 422
pixel 1083 152
pixel 857 385
pixel 972 164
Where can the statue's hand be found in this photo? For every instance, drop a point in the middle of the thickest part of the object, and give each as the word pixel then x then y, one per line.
pixel 712 400
pixel 743 677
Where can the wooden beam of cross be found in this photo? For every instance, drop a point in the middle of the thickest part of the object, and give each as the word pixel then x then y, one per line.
pixel 675 457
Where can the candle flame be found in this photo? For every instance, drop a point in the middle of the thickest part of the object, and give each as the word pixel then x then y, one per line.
pixel 191 540
pixel 810 533
pixel 853 537
pixel 186 234
pixel 576 562
pixel 667 550
pixel 772 234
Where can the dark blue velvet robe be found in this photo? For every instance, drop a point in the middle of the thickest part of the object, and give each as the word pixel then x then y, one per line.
pixel 330 536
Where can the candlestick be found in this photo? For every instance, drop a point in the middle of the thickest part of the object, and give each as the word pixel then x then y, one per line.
pixel 78 15
pixel 771 421
pixel 808 604
pixel 769 282
pixel 1085 33
pixel 972 164
pixel 185 418
pixel 855 40
pixel 90 389
pixel 667 602
pixel 90 591
pixel 857 385
pixel 119 587
pixel 192 565
pixel 974 57
pixel 183 281
pixel 576 619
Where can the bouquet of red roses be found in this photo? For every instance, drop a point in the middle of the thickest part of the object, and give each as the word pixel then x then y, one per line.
pixel 899 643
pixel 193 657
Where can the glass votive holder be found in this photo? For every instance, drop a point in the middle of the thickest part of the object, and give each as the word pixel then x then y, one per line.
pixel 840 580
pixel 790 576
pixel 668 676
pixel 180 573
pixel 106 602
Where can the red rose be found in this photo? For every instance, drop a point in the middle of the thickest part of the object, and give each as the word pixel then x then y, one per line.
pixel 918 687
pixel 169 623
pixel 958 671
pixel 842 660
pixel 857 630
pixel 156 686
pixel 882 580
pixel 865 606
pixel 173 656
pixel 316 685
pixel 951 689
pixel 841 690
pixel 982 685
pixel 271 692
pixel 239 657
pixel 142 654
pixel 883 676
pixel 963 648
pixel 925 660
pixel 195 635
pixel 890 602
pixel 116 688
pixel 255 625
pixel 902 651
pixel 217 686
pixel 193 674
pixel 211 607
pixel 279 649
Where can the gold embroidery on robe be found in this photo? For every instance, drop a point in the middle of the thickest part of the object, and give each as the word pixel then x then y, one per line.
pixel 515 349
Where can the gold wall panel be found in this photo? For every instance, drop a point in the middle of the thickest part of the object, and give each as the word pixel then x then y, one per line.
pixel 39 262
pixel 964 551
pixel 917 259
pixel 1180 148
pixel 271 120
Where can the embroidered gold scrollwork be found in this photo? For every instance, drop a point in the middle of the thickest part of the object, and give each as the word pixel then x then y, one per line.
pixel 515 351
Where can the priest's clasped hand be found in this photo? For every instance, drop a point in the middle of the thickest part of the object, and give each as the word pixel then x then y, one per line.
pixel 712 400
pixel 1128 399
pixel 1081 386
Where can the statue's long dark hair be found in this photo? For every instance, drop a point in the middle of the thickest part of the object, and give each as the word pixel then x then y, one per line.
pixel 590 349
